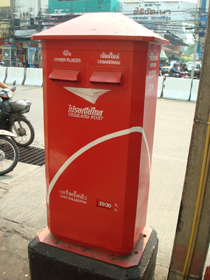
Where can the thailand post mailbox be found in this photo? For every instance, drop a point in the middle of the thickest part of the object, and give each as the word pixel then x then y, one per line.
pixel 100 74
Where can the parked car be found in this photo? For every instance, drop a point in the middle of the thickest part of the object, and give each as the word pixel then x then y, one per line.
pixel 197 68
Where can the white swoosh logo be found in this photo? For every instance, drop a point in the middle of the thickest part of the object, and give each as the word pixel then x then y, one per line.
pixel 89 94
pixel 92 144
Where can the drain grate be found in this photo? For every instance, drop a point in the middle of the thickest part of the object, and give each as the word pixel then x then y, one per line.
pixel 32 155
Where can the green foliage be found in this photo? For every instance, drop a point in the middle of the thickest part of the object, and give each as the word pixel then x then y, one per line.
pixel 186 58
pixel 190 49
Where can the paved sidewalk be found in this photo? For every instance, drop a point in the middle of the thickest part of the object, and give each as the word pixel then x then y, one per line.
pixel 22 216
pixel 23 205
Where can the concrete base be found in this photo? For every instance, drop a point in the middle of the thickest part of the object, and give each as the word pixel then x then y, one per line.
pixel 50 263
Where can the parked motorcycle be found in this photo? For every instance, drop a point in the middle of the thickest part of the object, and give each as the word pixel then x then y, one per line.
pixel 12 118
pixel 9 154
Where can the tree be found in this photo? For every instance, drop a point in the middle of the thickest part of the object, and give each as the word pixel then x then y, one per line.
pixel 190 49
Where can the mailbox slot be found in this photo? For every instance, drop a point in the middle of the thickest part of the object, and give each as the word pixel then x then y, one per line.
pixel 107 77
pixel 65 75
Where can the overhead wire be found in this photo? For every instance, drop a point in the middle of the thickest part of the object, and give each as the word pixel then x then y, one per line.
pixel 175 26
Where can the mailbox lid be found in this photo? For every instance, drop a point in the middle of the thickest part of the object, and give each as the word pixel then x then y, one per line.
pixel 107 77
pixel 100 26
pixel 65 75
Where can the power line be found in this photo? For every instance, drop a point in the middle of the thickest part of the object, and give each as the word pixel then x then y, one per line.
pixel 177 26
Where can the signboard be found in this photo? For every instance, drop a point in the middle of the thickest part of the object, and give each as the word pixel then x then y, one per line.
pixel 60 7
pixel 159 11
pixel 200 50
pixel 203 23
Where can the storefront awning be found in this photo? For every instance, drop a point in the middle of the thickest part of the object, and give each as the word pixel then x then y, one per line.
pixel 163 56
pixel 24 34
pixel 175 40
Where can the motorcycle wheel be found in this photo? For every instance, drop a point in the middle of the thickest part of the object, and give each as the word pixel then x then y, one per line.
pixel 9 155
pixel 24 132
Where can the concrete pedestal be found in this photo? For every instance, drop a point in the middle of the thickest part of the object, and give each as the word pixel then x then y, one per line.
pixel 48 262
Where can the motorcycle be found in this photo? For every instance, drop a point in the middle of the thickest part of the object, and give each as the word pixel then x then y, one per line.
pixel 12 118
pixel 184 75
pixel 9 154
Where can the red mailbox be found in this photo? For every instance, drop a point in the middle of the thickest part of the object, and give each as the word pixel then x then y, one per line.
pixel 100 87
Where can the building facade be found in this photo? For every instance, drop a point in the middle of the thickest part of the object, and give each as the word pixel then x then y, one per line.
pixel 5 21
pixel 167 18
pixel 80 6
pixel 20 19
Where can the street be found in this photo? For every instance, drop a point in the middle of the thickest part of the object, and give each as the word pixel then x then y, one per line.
pixel 33 94
pixel 22 192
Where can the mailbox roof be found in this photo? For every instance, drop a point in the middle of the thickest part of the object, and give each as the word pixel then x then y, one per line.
pixel 100 26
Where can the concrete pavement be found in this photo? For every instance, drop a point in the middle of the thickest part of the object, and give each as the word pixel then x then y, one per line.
pixel 22 194
pixel 22 215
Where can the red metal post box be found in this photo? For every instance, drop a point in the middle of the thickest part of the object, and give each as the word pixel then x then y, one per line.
pixel 100 74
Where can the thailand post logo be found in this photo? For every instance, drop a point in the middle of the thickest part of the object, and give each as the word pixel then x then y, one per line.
pixel 85 113
pixel 89 94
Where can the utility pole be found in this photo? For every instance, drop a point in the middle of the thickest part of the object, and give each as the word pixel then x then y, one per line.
pixel 39 6
pixel 12 21
pixel 193 227
pixel 12 10
pixel 39 28
pixel 198 15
